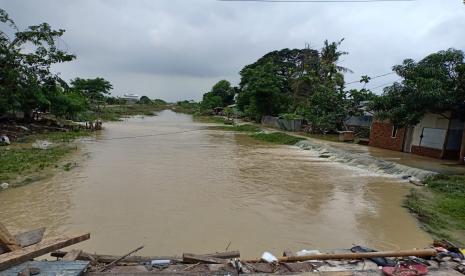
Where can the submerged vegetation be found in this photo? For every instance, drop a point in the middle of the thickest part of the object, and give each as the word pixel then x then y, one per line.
pixel 239 128
pixel 254 131
pixel 439 206
pixel 187 107
pixel 277 138
pixel 23 161
pixel 26 160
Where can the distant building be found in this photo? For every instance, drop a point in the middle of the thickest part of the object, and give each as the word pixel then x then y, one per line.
pixel 361 124
pixel 437 136
pixel 131 98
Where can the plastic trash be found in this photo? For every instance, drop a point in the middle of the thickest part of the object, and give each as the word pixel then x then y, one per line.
pixel 160 262
pixel 42 144
pixel 268 257
pixel 380 261
pixel 4 140
pixel 4 186
pixel 308 252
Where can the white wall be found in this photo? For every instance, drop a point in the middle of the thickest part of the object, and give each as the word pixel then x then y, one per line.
pixel 432 121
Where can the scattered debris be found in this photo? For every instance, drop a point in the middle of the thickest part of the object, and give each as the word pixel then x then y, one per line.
pixel 42 144
pixel 4 186
pixel 24 128
pixel 268 257
pixel 110 265
pixel 4 140
pixel 445 259
pixel 415 181
pixel 307 252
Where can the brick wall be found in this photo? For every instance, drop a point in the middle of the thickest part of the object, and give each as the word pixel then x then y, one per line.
pixel 435 153
pixel 380 136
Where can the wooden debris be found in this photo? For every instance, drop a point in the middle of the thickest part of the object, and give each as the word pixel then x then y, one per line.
pixel 110 265
pixel 7 240
pixel 193 258
pixel 110 258
pixel 21 255
pixel 30 237
pixel 225 255
pixel 287 253
pixel 353 256
pixel 85 256
pixel 72 255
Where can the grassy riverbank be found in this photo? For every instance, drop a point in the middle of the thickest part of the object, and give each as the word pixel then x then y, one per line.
pixel 24 161
pixel 277 138
pixel 254 131
pixel 238 128
pixel 440 206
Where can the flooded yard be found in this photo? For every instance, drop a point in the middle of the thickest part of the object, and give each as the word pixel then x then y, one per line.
pixel 175 186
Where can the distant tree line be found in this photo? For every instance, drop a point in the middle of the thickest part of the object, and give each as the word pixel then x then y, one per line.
pixel 27 82
pixel 301 83
pixel 309 84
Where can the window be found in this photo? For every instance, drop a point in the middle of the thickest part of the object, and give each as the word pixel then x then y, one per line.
pixel 394 132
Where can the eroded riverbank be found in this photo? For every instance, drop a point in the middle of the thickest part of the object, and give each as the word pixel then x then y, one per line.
pixel 175 186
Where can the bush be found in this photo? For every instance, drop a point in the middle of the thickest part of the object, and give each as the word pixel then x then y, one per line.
pixel 277 138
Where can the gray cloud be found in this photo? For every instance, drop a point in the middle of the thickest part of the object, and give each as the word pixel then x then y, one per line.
pixel 175 49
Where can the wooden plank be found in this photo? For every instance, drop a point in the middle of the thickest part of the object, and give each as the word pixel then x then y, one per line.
pixel 21 255
pixel 110 258
pixel 224 255
pixel 7 240
pixel 68 268
pixel 30 237
pixel 72 255
pixel 193 258
pixel 140 259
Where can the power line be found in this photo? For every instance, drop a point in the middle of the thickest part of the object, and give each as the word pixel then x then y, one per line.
pixel 317 1
pixel 383 85
pixel 375 77
pixel 139 136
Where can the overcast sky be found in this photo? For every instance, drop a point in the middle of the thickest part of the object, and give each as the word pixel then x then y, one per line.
pixel 177 49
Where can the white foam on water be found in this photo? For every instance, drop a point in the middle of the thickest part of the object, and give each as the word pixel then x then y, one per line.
pixel 364 164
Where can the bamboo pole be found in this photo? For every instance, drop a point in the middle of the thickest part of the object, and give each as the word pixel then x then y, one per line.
pixel 353 256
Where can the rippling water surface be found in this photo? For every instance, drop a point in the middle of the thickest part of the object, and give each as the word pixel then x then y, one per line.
pixel 174 186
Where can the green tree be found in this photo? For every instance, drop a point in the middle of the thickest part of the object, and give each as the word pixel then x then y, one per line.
pixel 26 80
pixel 223 90
pixel 262 95
pixel 356 98
pixel 145 100
pixel 93 89
pixel 303 82
pixel 68 105
pixel 210 101
pixel 319 89
pixel 435 84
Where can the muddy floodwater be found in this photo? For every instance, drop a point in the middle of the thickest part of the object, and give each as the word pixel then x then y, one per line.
pixel 175 186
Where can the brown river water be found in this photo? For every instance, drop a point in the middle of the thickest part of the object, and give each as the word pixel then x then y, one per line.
pixel 175 186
